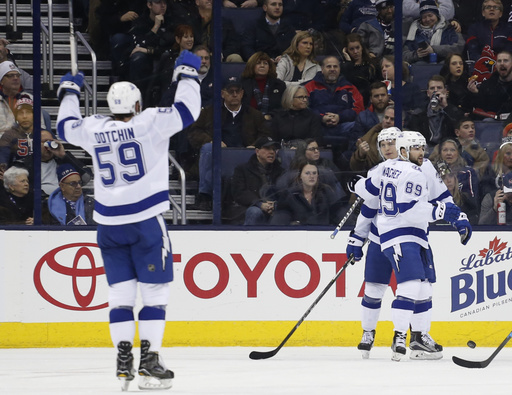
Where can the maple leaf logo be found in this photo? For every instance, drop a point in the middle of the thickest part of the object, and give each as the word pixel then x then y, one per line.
pixel 496 246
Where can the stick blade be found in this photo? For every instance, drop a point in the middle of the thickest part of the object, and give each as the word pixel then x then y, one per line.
pixel 262 354
pixel 469 364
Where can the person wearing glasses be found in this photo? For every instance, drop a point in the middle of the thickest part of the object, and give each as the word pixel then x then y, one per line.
pixel 296 121
pixel 67 204
pixel 490 31
pixel 10 91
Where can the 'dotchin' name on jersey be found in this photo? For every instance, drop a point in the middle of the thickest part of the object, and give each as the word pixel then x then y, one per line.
pixel 114 136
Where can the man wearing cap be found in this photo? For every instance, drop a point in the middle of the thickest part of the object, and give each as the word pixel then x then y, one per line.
pixel 489 208
pixel 253 184
pixel 241 126
pixel 26 79
pixel 67 204
pixel 10 91
pixel 268 34
pixel 378 33
pixel 411 9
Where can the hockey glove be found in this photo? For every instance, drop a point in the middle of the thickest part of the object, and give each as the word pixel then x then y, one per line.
pixel 464 228
pixel 70 84
pixel 186 66
pixel 355 247
pixel 448 211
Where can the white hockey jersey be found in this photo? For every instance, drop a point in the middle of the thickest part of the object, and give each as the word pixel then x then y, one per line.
pixel 131 169
pixel 399 190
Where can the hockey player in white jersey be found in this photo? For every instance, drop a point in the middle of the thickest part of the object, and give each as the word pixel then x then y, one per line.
pixel 396 208
pixel 131 175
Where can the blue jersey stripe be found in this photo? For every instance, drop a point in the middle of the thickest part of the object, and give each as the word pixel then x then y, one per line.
pixel 441 197
pixel 403 207
pixel 372 189
pixel 186 116
pixel 60 127
pixel 368 212
pixel 133 208
pixel 408 231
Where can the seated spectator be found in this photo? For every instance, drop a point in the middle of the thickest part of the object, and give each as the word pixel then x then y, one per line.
pixel 269 34
pixel 296 121
pixel 490 31
pixel 253 183
pixel 429 34
pixel 451 156
pixel 379 100
pixel 438 118
pixel 467 12
pixel 16 143
pixel 153 34
pixel 26 79
pixel 298 65
pixel 337 101
pixel 501 164
pixel 115 18
pixel 262 89
pixel 493 97
pixel 16 198
pixel 67 204
pixel 466 203
pixel 489 208
pixel 367 154
pixel 10 91
pixel 241 126
pixel 378 33
pixel 472 152
pixel 411 9
pixel 307 202
pixel 357 12
pixel 242 3
pixel 52 155
pixel 359 67
pixel 456 75
pixel 412 97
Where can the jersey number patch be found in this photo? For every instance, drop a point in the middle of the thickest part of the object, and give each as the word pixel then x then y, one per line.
pixel 129 166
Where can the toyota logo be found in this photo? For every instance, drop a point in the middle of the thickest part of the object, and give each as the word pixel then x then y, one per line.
pixel 75 264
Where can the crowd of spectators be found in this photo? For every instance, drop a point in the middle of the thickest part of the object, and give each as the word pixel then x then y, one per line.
pixel 316 84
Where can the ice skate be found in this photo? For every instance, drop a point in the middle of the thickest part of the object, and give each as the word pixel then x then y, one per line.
pixel 398 346
pixel 424 347
pixel 125 371
pixel 152 370
pixel 366 343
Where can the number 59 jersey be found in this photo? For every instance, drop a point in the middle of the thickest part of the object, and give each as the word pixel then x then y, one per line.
pixel 399 190
pixel 131 168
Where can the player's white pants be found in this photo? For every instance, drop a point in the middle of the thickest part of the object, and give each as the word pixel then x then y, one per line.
pixel 402 308
pixel 371 305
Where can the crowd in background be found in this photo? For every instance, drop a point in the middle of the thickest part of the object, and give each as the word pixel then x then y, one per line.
pixel 316 84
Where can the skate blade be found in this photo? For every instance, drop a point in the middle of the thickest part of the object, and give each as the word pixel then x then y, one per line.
pixel 425 356
pixel 365 354
pixel 125 382
pixel 396 356
pixel 153 383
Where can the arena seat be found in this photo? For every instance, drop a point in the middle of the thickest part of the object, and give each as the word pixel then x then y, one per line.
pixel 241 17
pixel 230 69
pixel 489 134
pixel 231 157
pixel 421 73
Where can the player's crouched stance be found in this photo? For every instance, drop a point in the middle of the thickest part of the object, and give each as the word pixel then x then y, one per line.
pixel 130 158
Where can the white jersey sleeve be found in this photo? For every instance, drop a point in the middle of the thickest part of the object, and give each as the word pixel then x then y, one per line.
pixel 365 224
pixel 130 159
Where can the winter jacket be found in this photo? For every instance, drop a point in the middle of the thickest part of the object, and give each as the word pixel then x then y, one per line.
pixel 286 69
pixel 259 37
pixel 291 124
pixel 365 163
pixel 373 36
pixel 365 120
pixel 357 12
pixel 59 208
pixel 445 40
pixel 481 34
pixel 276 88
pixel 14 145
pixel 494 95
pixel 411 9
pixel 157 42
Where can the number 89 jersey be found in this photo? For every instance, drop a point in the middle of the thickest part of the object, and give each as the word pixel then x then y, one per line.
pixel 131 169
pixel 399 190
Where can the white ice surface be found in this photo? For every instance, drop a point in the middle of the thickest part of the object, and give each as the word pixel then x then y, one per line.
pixel 224 371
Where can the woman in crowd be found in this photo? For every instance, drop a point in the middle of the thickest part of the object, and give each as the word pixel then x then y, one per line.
pixel 298 64
pixel 16 199
pixel 462 199
pixel 359 67
pixel 456 74
pixel 412 96
pixel 296 121
pixel 307 201
pixel 429 34
pixel 262 89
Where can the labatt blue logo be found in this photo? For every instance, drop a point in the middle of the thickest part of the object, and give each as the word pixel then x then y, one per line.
pixel 473 285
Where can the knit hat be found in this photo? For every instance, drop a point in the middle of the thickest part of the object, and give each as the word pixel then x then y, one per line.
pixel 6 67
pixel 379 4
pixel 65 170
pixel 429 6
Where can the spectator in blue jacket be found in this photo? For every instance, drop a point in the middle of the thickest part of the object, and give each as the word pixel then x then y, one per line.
pixel 491 31
pixel 378 33
pixel 431 33
pixel 357 12
pixel 374 114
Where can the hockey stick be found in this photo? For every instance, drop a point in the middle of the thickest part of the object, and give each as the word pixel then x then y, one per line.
pixel 345 218
pixel 72 40
pixel 270 354
pixel 481 364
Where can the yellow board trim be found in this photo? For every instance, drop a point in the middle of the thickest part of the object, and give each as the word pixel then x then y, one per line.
pixel 245 334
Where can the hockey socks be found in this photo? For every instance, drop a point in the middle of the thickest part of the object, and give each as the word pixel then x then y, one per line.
pixel 122 325
pixel 152 325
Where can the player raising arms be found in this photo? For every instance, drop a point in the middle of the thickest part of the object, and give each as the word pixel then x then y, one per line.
pixel 130 158
pixel 399 206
